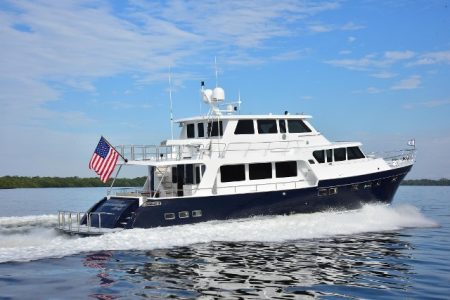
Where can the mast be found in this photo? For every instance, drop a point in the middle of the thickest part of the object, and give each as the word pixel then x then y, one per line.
pixel 171 104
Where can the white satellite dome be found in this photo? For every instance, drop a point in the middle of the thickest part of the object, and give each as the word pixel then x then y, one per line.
pixel 207 95
pixel 218 94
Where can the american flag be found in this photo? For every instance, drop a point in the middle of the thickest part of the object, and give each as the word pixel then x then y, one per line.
pixel 104 159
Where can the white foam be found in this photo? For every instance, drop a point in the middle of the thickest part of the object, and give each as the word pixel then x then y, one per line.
pixel 41 242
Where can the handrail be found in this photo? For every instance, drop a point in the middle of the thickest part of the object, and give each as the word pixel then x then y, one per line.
pixel 66 222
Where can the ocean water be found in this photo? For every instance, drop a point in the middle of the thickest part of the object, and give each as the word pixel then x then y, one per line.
pixel 400 251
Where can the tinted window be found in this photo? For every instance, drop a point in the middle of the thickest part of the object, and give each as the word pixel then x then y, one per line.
pixel 354 153
pixel 215 128
pixel 297 126
pixel 189 177
pixel 190 130
pixel 282 124
pixel 197 174
pixel 319 155
pixel 200 130
pixel 244 127
pixel 232 173
pixel 267 126
pixel 339 154
pixel 260 171
pixel 286 169
pixel 329 153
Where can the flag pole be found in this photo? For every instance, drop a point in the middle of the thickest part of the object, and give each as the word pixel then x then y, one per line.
pixel 114 180
pixel 124 159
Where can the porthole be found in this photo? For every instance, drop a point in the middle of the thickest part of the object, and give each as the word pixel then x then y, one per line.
pixel 333 191
pixel 169 216
pixel 355 187
pixel 183 214
pixel 196 213
pixel 368 185
pixel 323 192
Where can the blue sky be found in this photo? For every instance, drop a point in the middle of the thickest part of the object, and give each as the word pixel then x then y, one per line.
pixel 371 71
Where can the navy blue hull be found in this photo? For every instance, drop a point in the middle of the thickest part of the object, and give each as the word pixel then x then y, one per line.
pixel 337 194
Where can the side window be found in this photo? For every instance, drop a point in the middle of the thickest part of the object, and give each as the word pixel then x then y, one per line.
pixel 215 128
pixel 232 173
pixel 282 124
pixel 319 155
pixel 339 154
pixel 260 171
pixel 244 127
pixel 297 126
pixel 329 153
pixel 354 153
pixel 189 174
pixel 190 130
pixel 200 130
pixel 286 169
pixel 267 126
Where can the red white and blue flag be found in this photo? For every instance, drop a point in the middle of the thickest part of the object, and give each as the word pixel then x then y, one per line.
pixel 104 159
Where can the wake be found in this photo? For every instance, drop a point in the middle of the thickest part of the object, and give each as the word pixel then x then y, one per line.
pixel 33 237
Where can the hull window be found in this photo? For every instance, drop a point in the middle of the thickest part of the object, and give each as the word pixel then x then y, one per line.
pixel 333 191
pixel 196 213
pixel 323 192
pixel 169 216
pixel 232 173
pixel 286 169
pixel 183 214
pixel 260 171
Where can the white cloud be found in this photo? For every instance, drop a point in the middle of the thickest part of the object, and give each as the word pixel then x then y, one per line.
pixel 413 82
pixel 428 104
pixel 351 39
pixel 384 75
pixel 320 28
pixel 432 58
pixel 373 90
pixel 399 55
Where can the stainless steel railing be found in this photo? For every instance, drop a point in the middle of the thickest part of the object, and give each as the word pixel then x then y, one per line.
pixel 70 222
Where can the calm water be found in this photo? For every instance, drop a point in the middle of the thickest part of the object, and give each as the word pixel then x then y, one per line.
pixel 395 252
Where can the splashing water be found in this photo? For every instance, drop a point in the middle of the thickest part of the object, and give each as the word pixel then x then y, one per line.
pixel 33 237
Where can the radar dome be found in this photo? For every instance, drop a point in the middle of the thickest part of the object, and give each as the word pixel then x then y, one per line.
pixel 207 95
pixel 218 94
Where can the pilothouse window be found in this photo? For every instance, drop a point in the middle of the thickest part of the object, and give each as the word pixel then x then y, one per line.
pixel 190 130
pixel 319 155
pixel 354 153
pixel 297 126
pixel 267 126
pixel 200 130
pixel 244 127
pixel 339 154
pixel 215 128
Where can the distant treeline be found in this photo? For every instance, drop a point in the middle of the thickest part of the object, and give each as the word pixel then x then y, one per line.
pixel 11 182
pixel 439 182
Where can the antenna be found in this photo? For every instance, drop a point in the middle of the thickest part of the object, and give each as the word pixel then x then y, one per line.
pixel 215 67
pixel 170 99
